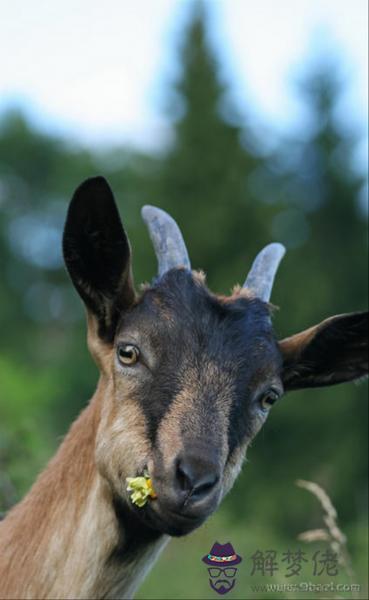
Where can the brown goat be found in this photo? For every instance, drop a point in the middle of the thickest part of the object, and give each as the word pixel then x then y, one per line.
pixel 186 381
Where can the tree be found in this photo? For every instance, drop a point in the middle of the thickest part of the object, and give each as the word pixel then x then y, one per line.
pixel 203 177
pixel 317 434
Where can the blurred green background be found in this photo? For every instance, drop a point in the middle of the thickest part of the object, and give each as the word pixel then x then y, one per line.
pixel 230 196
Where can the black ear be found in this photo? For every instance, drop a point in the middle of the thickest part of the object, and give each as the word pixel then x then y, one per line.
pixel 332 352
pixel 97 254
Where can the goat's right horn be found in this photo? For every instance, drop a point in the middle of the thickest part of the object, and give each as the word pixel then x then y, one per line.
pixel 167 239
pixel 263 271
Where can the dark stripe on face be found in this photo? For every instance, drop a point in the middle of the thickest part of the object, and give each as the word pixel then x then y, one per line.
pixel 240 424
pixel 158 401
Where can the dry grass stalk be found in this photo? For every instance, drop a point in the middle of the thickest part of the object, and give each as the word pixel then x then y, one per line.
pixel 331 533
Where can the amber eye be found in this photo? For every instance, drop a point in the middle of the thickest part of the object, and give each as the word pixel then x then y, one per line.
pixel 269 398
pixel 128 354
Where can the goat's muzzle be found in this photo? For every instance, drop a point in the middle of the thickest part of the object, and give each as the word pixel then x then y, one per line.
pixel 188 492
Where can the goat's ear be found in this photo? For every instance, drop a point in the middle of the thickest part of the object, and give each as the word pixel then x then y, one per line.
pixel 332 352
pixel 97 254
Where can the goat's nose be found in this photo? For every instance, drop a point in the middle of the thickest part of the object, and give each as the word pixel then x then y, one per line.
pixel 196 477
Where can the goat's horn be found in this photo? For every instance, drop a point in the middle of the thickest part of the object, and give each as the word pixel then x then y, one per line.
pixel 167 239
pixel 264 268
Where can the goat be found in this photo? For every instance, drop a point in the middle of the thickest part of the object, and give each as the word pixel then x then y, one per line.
pixel 187 378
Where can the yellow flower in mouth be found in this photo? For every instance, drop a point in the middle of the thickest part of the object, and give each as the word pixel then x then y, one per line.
pixel 141 489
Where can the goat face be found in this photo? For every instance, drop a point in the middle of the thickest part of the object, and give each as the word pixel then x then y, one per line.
pixel 204 372
pixel 189 377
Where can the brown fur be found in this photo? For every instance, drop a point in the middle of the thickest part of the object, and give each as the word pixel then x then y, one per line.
pixel 54 504
pixel 183 416
pixel 56 542
pixel 295 344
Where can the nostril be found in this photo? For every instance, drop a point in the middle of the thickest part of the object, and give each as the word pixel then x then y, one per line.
pixel 200 489
pixel 184 476
pixel 196 477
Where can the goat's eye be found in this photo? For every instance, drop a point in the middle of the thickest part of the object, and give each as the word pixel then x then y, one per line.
pixel 128 354
pixel 269 398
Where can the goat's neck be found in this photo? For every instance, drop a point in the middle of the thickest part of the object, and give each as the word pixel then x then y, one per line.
pixel 68 538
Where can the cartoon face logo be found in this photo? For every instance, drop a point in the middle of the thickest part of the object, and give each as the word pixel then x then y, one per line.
pixel 221 562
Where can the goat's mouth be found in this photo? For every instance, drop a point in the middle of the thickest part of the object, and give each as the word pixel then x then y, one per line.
pixel 161 515
pixel 169 522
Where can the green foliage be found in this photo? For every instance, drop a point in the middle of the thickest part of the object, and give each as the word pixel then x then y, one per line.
pixel 25 436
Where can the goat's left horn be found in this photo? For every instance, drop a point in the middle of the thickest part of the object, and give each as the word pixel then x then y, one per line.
pixel 167 239
pixel 263 271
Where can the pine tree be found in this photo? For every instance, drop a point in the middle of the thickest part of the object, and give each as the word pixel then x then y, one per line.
pixel 203 178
